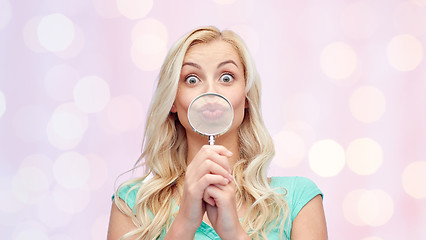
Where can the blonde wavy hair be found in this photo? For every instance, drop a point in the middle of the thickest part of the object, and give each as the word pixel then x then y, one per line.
pixel 165 151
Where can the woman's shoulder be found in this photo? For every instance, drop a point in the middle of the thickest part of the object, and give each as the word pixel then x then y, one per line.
pixel 298 191
pixel 128 191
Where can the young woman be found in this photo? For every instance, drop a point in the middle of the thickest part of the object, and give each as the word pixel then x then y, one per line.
pixel 192 190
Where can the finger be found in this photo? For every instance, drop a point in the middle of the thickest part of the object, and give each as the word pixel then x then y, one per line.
pixel 218 154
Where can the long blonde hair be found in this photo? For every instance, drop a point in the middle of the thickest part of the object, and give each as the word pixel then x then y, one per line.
pixel 165 149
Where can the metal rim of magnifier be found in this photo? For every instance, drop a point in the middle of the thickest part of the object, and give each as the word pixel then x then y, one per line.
pixel 216 134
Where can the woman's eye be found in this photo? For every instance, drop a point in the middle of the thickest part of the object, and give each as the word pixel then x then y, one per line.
pixel 226 78
pixel 192 79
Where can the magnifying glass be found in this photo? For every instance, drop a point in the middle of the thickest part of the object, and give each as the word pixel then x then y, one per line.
pixel 210 114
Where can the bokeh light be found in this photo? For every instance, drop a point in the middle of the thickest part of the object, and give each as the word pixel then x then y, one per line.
pixel 326 158
pixel 55 32
pixel 404 52
pixel 290 149
pixel 76 46
pixel 375 207
pixel 123 113
pixel 149 48
pixel 5 13
pixel 29 34
pixel 413 179
pixel 134 9
pixel 350 206
pixel 338 60
pixel 367 104
pixel 71 170
pixel 364 156
pixel 59 82
pixel 106 8
pixel 67 126
pixel 2 104
pixel 91 94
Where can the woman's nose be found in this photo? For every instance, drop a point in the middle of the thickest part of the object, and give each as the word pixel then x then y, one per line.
pixel 210 86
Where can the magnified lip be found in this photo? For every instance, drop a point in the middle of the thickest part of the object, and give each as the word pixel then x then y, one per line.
pixel 212 111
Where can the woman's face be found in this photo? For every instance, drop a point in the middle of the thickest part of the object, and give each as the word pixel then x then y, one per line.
pixel 213 67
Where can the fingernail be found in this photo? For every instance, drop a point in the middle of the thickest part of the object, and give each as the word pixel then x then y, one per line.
pixel 230 153
pixel 231 177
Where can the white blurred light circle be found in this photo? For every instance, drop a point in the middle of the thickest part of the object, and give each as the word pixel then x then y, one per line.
pixel 30 230
pixel 350 207
pixel 55 32
pixel 150 26
pixel 59 82
pixel 326 158
pixel 414 179
pixel 30 36
pixel 367 104
pixel 338 60
pixel 134 9
pixel 106 8
pixel 30 185
pixel 71 170
pixel 123 113
pixel 149 44
pixel 148 51
pixel 375 207
pixel 71 201
pixel 76 45
pixel 290 149
pixel 91 94
pixel 5 13
pixel 67 126
pixel 2 104
pixel 364 156
pixel 405 52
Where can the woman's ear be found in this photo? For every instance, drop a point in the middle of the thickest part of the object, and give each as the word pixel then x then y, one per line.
pixel 173 109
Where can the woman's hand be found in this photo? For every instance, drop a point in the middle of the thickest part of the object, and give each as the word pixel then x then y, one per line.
pixel 209 167
pixel 223 213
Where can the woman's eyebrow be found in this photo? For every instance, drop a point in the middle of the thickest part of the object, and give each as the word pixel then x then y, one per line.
pixel 226 62
pixel 191 64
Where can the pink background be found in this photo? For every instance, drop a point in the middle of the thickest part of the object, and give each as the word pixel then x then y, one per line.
pixel 344 86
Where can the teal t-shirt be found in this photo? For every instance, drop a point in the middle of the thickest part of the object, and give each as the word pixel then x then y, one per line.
pixel 300 191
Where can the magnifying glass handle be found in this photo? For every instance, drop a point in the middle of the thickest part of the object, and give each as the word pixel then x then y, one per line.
pixel 211 140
